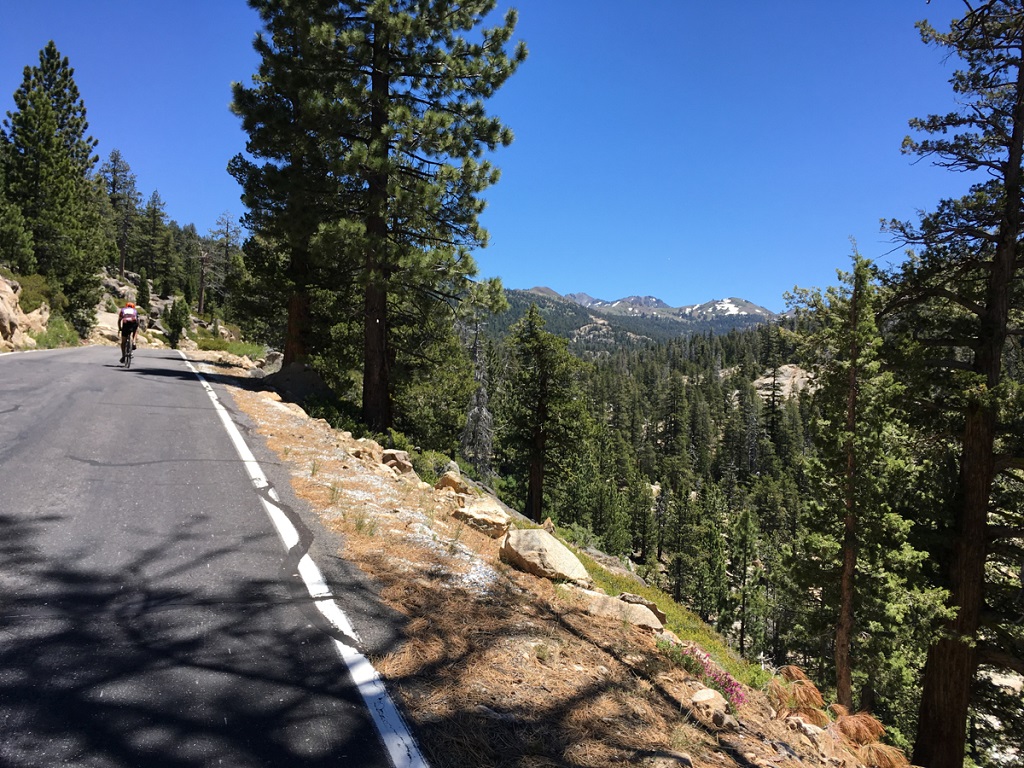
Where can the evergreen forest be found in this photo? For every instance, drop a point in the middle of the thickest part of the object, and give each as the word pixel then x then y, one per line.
pixel 841 489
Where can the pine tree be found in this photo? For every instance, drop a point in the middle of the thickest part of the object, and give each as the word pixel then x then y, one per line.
pixel 144 299
pixel 151 241
pixel 15 237
pixel 477 439
pixel 543 408
pixel 642 525
pixel 48 178
pixel 864 563
pixel 177 322
pixel 375 109
pixel 955 299
pixel 215 262
pixel 698 566
pixel 745 604
pixel 124 200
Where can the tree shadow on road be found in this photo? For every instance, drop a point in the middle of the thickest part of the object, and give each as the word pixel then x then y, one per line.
pixel 151 666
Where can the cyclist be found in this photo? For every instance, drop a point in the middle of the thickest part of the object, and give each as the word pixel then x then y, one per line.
pixel 128 327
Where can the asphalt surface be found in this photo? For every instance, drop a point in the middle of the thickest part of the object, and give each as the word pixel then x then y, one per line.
pixel 149 615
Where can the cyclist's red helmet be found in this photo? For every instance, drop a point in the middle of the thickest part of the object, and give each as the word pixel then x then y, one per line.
pixel 130 304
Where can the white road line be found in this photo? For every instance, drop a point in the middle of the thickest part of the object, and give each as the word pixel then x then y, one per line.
pixel 399 742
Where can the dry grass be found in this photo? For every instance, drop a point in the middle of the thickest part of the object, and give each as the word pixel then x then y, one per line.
pixel 792 674
pixel 882 756
pixel 793 694
pixel 860 729
pixel 498 668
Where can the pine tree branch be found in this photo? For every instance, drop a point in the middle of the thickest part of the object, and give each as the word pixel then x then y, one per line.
pixel 955 365
pixel 995 532
pixel 990 656
pixel 945 293
pixel 1006 461
pixel 951 341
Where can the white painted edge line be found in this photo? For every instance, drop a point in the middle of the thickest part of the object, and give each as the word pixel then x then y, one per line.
pixel 398 740
pixel 23 351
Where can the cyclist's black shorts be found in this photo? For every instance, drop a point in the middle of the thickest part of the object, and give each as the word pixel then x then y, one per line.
pixel 127 329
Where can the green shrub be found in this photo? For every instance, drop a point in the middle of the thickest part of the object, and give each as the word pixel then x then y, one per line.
pixel 35 290
pixel 176 321
pixel 240 348
pixel 338 413
pixel 580 535
pixel 59 333
pixel 211 344
pixel 683 622
pixel 397 440
pixel 429 465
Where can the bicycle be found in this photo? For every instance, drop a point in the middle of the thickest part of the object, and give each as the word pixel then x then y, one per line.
pixel 127 347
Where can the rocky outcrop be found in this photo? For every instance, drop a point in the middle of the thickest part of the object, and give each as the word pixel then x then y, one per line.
pixel 598 604
pixel 454 481
pixel 712 709
pixel 486 515
pixel 536 551
pixel 15 325
pixel 629 597
pixel 397 460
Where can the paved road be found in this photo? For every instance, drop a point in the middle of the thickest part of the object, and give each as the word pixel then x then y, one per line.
pixel 148 613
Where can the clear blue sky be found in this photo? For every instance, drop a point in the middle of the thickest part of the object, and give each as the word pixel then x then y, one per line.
pixel 686 149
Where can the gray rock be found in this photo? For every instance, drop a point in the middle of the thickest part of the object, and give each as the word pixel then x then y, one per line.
pixel 538 552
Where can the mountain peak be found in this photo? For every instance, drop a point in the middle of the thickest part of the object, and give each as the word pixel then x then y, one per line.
pixel 543 290
pixel 651 302
pixel 585 300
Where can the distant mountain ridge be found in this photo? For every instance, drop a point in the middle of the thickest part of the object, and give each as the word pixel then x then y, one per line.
pixel 596 323
pixel 641 305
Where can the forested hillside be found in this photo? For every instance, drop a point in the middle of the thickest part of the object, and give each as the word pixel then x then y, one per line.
pixel 65 215
pixel 865 524
pixel 592 325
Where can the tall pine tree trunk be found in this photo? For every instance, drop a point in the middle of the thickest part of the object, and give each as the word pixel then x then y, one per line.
pixel 952 661
pixel 538 456
pixel 376 396
pixel 376 376
pixel 295 346
pixel 535 490
pixel 844 627
pixel 201 306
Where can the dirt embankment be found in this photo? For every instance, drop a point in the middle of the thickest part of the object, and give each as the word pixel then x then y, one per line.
pixel 499 668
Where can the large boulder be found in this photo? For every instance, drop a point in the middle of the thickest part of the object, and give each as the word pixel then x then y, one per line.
pixel 37 320
pixel 597 604
pixel 397 460
pixel 300 383
pixel 629 597
pixel 712 709
pixel 486 515
pixel 9 310
pixel 536 551
pixel 15 324
pixel 104 331
pixel 454 481
pixel 368 450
